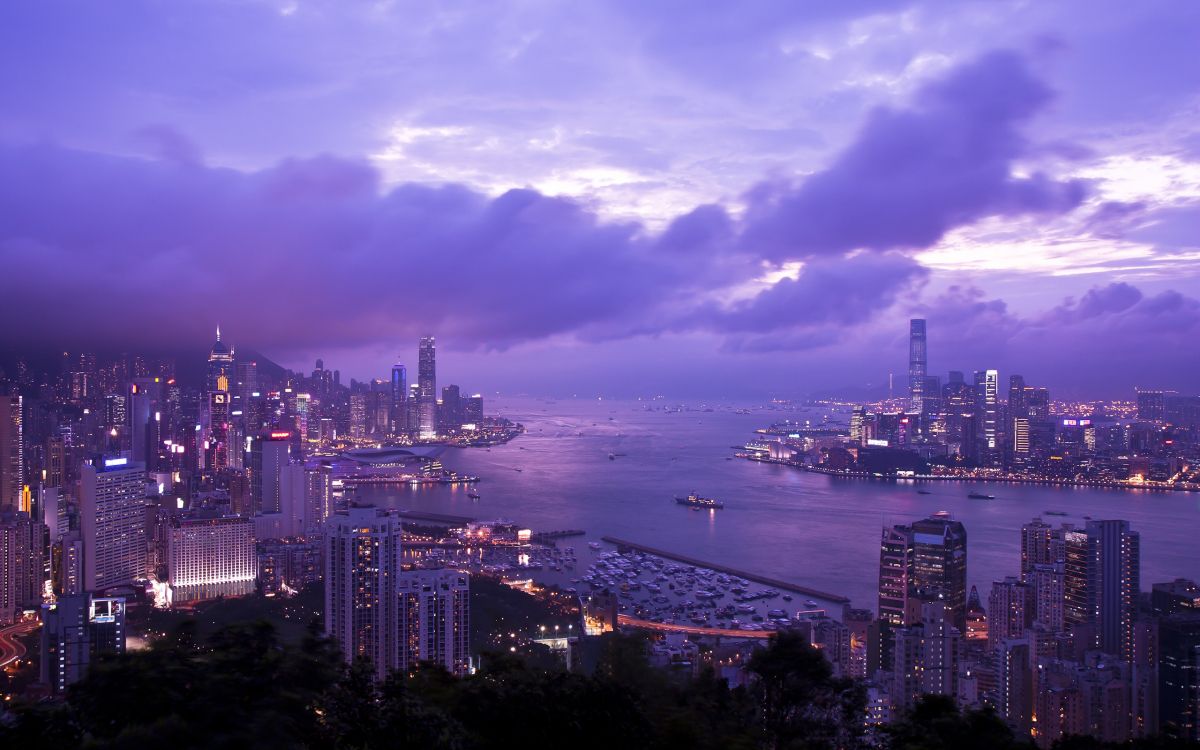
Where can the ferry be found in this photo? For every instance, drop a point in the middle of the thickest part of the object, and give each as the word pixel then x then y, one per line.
pixel 1056 513
pixel 695 501
pixel 924 492
pixel 980 496
pixel 473 495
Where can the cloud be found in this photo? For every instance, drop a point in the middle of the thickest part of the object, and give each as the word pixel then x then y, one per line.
pixel 913 174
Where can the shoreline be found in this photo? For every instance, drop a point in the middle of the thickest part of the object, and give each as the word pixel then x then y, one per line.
pixel 1095 484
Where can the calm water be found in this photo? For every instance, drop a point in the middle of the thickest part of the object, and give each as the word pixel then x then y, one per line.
pixel 781 522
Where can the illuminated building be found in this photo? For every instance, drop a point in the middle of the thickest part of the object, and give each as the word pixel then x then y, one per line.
pixel 987 385
pixel 75 630
pixel 362 566
pixel 210 558
pixel 358 414
pixel 12 451
pixel 318 497
pixel 1049 595
pixel 473 411
pixel 895 571
pixel 22 562
pixel 219 404
pixel 113 523
pixel 270 451
pixel 977 619
pixel 916 365
pixel 427 389
pixel 434 618
pixel 1179 674
pixel 1102 584
pixel 145 395
pixel 1020 430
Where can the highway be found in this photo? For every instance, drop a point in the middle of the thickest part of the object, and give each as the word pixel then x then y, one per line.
pixel 10 648
pixel 662 627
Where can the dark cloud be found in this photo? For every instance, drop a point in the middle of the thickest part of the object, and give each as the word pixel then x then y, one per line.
pixel 914 174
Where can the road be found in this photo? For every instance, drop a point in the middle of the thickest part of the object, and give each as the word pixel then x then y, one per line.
pixel 10 648
pixel 661 627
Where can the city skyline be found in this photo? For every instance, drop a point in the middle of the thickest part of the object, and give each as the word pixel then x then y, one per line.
pixel 845 168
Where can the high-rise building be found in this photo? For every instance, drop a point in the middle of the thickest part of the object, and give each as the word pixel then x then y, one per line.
pixel 987 385
pixel 917 364
pixel 362 566
pixel 1049 595
pixel 427 389
pixel 1010 611
pixel 75 630
pixel 473 411
pixel 434 612
pixel 270 451
pixel 451 410
pixel 1179 675
pixel 145 421
pixel 1042 544
pixel 1102 583
pixel 318 497
pixel 923 561
pixel 399 394
pixel 22 563
pixel 1114 583
pixel 925 658
pixel 12 451
pixel 113 523
pixel 1151 404
pixel 210 558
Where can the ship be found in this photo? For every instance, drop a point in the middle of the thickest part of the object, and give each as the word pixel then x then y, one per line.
pixel 980 496
pixel 695 501
pixel 1056 513
pixel 473 495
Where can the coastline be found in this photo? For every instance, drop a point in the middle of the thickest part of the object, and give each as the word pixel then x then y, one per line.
pixel 1003 479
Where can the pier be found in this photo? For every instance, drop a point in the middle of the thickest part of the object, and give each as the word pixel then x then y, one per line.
pixel 413 515
pixel 815 593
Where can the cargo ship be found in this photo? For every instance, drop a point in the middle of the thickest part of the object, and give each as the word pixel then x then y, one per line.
pixel 695 501
pixel 980 496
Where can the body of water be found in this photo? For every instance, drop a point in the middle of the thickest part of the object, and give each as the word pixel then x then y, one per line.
pixel 778 521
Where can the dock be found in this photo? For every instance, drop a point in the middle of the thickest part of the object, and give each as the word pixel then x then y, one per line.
pixel 774 582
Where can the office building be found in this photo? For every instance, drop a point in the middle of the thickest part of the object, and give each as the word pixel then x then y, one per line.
pixel 362 567
pixel 427 389
pixel 1179 675
pixel 451 410
pixel 917 364
pixel 209 558
pixel 434 619
pixel 270 451
pixel 922 561
pixel 75 630
pixel 113 523
pixel 12 451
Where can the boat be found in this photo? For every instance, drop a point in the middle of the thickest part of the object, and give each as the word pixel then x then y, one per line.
pixel 1056 513
pixel 594 545
pixel 980 496
pixel 695 501
pixel 473 495
pixel 612 456
pixel 924 492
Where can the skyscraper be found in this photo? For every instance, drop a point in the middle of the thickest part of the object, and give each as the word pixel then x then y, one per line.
pixel 270 451
pixel 434 612
pixel 113 522
pixel 12 451
pixel 916 364
pixel 922 562
pixel 427 385
pixel 362 605
pixel 399 393
pixel 1114 583
pixel 22 563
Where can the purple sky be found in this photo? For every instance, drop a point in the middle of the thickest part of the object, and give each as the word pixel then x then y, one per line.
pixel 696 199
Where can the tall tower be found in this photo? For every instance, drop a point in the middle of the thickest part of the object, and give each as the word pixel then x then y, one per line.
pixel 434 612
pixel 427 389
pixel 220 378
pixel 917 364
pixel 12 453
pixel 113 522
pixel 362 602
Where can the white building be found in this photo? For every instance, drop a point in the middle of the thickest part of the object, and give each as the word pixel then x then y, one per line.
pixel 113 522
pixel 362 566
pixel 210 558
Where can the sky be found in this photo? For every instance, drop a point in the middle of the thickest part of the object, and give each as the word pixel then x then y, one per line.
pixel 629 198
